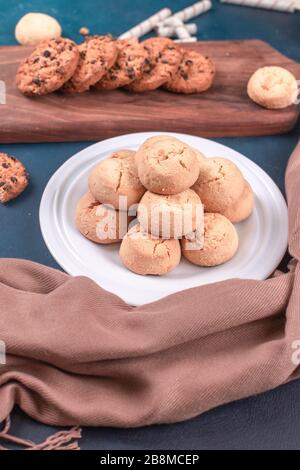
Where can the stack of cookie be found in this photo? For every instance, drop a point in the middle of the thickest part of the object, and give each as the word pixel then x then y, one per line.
pixel 169 209
pixel 166 184
pixel 106 64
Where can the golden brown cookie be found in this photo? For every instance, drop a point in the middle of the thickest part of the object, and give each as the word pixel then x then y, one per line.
pixel 220 184
pixel 200 155
pixel 161 66
pixel 194 75
pixel 243 207
pixel 13 178
pixel 273 87
pixel 145 255
pixel 114 177
pixel 99 223
pixel 128 67
pixel 97 55
pixel 48 67
pixel 220 242
pixel 170 216
pixel 166 165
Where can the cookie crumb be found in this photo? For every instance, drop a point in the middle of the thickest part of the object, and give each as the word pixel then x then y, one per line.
pixel 84 31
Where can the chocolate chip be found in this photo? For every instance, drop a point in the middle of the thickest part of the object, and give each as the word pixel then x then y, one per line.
pixel 13 179
pixel 82 54
pixel 5 165
pixel 113 78
pixel 7 187
pixel 47 53
pixel 2 184
pixel 130 72
pixel 36 60
pixel 37 81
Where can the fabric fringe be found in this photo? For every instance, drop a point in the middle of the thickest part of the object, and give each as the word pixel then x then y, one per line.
pixel 62 440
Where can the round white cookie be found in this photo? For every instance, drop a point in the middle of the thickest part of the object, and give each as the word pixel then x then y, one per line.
pixel 273 87
pixel 33 28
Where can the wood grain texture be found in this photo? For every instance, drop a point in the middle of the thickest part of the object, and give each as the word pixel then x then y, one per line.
pixel 225 110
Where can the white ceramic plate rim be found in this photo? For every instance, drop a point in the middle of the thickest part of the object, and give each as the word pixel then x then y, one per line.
pixel 72 264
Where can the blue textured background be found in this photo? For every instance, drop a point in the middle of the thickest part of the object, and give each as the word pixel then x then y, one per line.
pixel 268 421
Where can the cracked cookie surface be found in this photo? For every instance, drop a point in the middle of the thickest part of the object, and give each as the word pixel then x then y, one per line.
pixel 129 66
pixel 273 87
pixel 162 64
pixel 243 207
pixel 48 67
pixel 194 75
pixel 220 184
pixel 97 55
pixel 114 177
pixel 170 216
pixel 13 178
pixel 98 222
pixel 145 255
pixel 166 165
pixel 220 242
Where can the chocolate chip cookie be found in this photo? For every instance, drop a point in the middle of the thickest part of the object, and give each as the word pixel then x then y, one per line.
pixel 50 65
pixel 129 66
pixel 13 178
pixel 195 74
pixel 97 55
pixel 162 65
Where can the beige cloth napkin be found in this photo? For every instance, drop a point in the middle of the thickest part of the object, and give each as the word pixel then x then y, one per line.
pixel 77 354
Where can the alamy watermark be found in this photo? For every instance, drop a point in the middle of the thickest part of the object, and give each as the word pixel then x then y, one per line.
pixel 2 92
pixel 296 353
pixel 297 100
pixel 172 220
pixel 2 353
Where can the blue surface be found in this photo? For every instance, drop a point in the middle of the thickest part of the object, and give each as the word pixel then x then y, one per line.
pixel 267 421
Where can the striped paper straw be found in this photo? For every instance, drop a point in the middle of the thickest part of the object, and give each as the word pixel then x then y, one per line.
pixel 279 5
pixel 146 26
pixel 194 10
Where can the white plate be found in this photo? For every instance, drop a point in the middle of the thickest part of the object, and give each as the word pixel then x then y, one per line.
pixel 263 237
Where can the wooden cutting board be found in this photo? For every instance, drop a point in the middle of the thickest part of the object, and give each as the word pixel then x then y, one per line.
pixel 224 110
